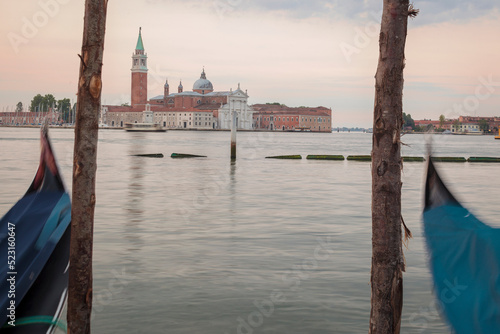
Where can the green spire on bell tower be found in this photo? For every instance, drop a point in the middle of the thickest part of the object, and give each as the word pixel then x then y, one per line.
pixel 139 57
pixel 139 45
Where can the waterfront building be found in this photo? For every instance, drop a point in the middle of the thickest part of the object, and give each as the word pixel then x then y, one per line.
pixel 278 117
pixel 30 117
pixel 466 128
pixel 201 108
pixel 463 124
pixel 428 123
pixel 493 122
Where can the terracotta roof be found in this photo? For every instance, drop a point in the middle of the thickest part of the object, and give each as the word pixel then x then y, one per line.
pixel 282 108
pixel 155 108
pixel 124 109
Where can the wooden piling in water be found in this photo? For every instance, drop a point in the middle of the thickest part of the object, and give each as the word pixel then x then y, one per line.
pixel 234 124
pixel 84 168
pixel 387 253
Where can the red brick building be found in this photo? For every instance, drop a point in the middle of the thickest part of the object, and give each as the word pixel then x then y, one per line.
pixel 493 122
pixel 435 124
pixel 201 108
pixel 30 118
pixel 139 75
pixel 276 117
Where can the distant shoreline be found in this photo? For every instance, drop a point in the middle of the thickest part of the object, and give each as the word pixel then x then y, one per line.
pixel 228 130
pixel 168 129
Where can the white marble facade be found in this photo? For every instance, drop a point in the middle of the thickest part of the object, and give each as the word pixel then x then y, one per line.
pixel 237 102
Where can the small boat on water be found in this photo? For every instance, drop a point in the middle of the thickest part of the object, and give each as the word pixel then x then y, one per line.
pixel 464 260
pixel 468 133
pixel 34 240
pixel 498 137
pixel 144 127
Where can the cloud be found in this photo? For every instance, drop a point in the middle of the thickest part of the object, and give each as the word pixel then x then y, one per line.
pixel 455 10
pixel 431 11
pixel 284 51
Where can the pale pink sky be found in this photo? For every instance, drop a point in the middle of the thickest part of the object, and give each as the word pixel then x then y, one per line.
pixel 305 53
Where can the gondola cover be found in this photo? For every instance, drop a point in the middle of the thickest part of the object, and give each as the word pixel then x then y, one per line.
pixel 34 246
pixel 464 260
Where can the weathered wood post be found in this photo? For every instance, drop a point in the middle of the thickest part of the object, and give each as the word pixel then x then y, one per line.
pixel 234 125
pixel 84 168
pixel 387 253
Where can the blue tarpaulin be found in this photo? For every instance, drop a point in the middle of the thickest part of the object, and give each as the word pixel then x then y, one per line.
pixel 464 260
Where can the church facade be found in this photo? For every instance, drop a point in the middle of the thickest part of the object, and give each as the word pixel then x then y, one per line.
pixel 201 108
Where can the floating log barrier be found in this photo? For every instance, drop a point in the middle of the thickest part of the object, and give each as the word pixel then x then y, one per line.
pixel 325 157
pixel 150 155
pixel 448 159
pixel 411 159
pixel 359 157
pixel 285 157
pixel 183 155
pixel 483 159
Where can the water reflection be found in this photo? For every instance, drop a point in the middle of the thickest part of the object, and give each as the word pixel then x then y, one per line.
pixel 135 194
pixel 232 190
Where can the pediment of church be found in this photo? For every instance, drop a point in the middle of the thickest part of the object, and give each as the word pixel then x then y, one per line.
pixel 239 93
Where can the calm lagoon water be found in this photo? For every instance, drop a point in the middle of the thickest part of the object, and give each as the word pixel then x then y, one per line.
pixel 258 246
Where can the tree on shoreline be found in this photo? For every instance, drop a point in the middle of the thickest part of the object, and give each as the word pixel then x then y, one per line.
pixel 442 119
pixel 484 125
pixel 408 121
pixel 19 107
pixel 64 107
pixel 42 103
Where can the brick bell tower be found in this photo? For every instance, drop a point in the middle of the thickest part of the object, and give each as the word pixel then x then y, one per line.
pixel 139 74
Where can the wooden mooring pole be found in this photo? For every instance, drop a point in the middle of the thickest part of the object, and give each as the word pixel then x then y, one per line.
pixel 234 125
pixel 84 168
pixel 387 253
